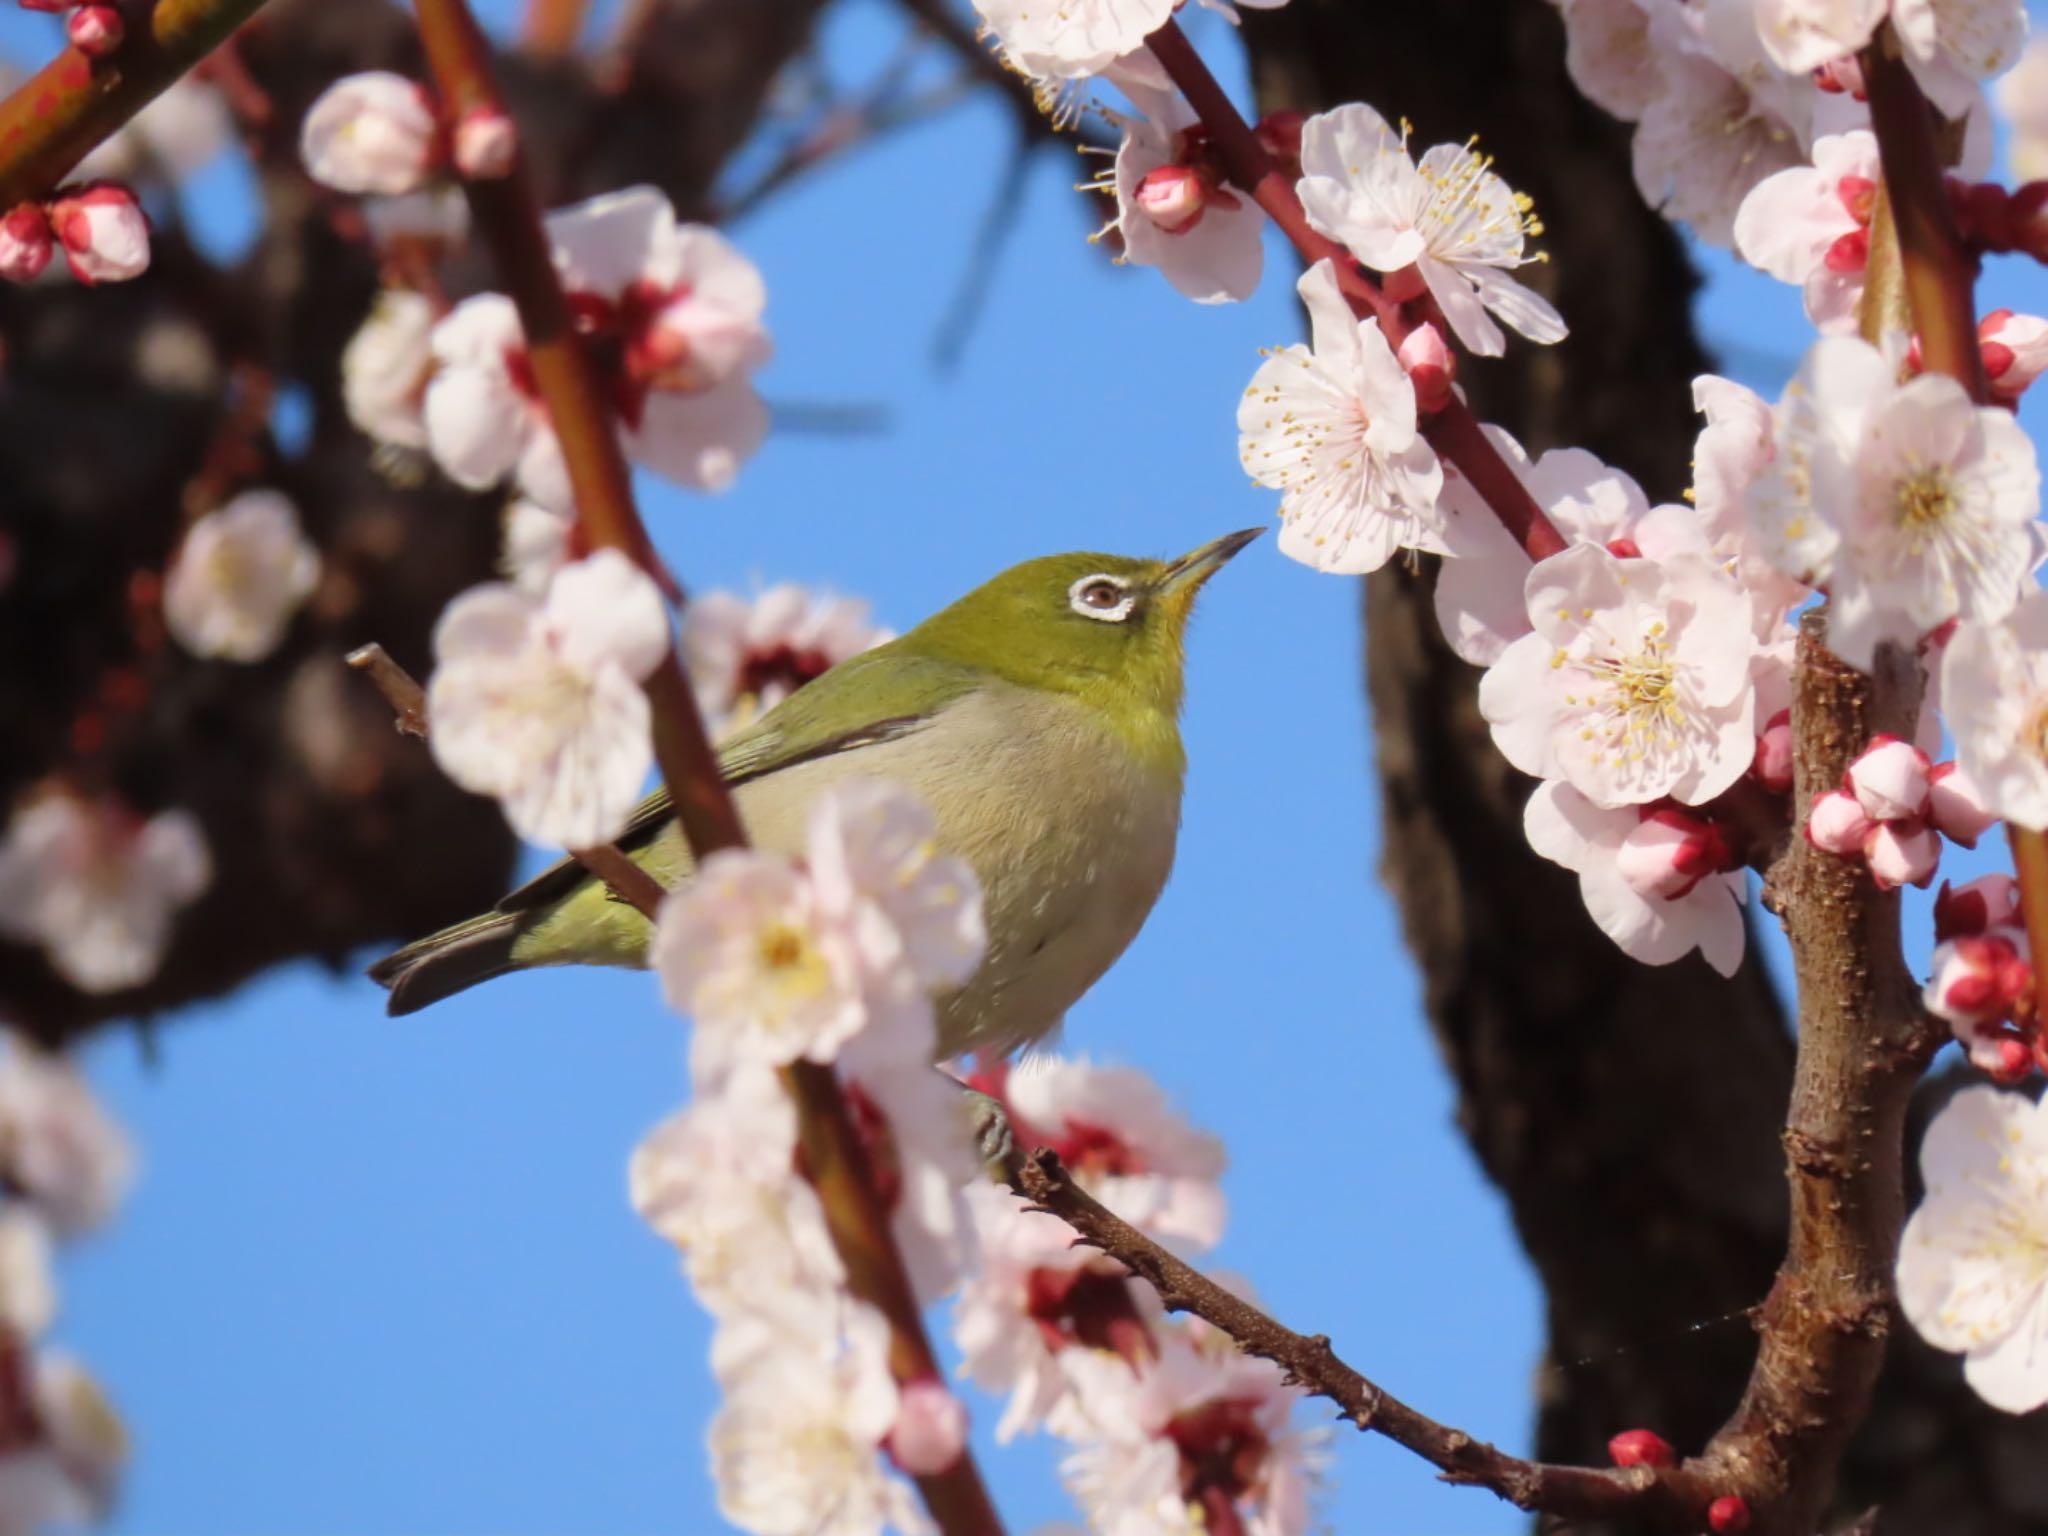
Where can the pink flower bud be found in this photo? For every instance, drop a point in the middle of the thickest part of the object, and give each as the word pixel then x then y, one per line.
pixel 25 243
pixel 930 1429
pixel 486 144
pixel 1431 366
pixel 1641 1448
pixel 1977 980
pixel 103 231
pixel 2015 349
pixel 1989 901
pixel 1669 853
pixel 369 133
pixel 1849 253
pixel 1889 780
pixel 1728 1515
pixel 1902 853
pixel 95 30
pixel 1837 825
pixel 1841 77
pixel 2004 1058
pixel 1172 197
pixel 1772 764
pixel 1957 805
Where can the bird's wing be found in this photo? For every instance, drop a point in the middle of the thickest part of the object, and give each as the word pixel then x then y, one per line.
pixel 897 694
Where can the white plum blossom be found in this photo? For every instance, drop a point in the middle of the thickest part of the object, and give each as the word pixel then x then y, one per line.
pixel 1802 35
pixel 2022 95
pixel 538 542
pixel 238 577
pixel 1906 502
pixel 1730 452
pixel 1636 682
pixel 745 656
pixel 718 1179
pixel 1651 916
pixel 1994 688
pixel 1116 1132
pixel 1175 213
pixel 1332 427
pixel 1450 217
pixel 66 1474
pixel 1953 46
pixel 98 887
pixel 538 701
pixel 385 368
pixel 1610 54
pixel 1195 1440
pixel 1810 226
pixel 796 1444
pixel 59 1151
pixel 1069 39
pixel 483 417
pixel 1973 1264
pixel 372 132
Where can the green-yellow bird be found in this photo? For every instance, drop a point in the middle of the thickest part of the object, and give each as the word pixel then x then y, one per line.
pixel 1038 720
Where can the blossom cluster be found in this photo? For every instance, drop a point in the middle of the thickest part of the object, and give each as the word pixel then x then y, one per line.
pixel 64 1167
pixel 1892 811
pixel 98 226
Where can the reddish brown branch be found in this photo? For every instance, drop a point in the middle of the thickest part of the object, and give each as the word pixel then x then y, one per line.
pixel 73 103
pixel 1453 431
pixel 552 27
pixel 507 216
pixel 1674 1500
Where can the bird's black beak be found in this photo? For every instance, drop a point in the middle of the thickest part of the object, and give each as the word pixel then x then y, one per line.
pixel 1198 565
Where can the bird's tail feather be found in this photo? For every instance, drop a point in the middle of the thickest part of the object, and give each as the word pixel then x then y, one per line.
pixel 448 962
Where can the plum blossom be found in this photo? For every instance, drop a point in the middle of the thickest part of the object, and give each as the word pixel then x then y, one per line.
pixel 1976 906
pixel 538 543
pixel 1659 896
pixel 1973 1264
pixel 1457 223
pixel 26 243
pixel 673 313
pixel 1908 503
pixel 385 368
pixel 796 1444
pixel 59 1150
pixel 930 1430
pixel 1952 46
pixel 1956 805
pixel 1810 226
pixel 1994 686
pixel 1980 983
pixel 1076 38
pixel 1332 427
pixel 1610 54
pixel 2022 95
pixel 1802 35
pixel 1730 452
pixel 537 700
pixel 1116 1132
pixel 98 887
pixel 2015 350
pixel 66 1474
pixel 1635 683
pixel 372 132
pixel 103 232
pixel 1197 1439
pixel 1175 212
pixel 238 577
pixel 28 1290
pixel 746 656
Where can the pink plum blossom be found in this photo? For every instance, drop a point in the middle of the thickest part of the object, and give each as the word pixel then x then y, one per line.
pixel 1889 779
pixel 1450 217
pixel 1908 503
pixel 98 887
pixel 103 231
pixel 744 656
pixel 1635 683
pixel 1332 427
pixel 1957 806
pixel 1953 46
pixel 1810 226
pixel 1902 853
pixel 240 574
pixel 1838 824
pixel 1174 211
pixel 371 132
pixel 1977 906
pixel 537 700
pixel 26 243
pixel 1654 895
pixel 1973 1264
pixel 1802 35
pixel 1994 686
pixel 930 1430
pixel 1610 54
pixel 2015 349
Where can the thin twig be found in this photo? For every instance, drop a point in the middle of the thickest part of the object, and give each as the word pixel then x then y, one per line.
pixel 57 116
pixel 507 217
pixel 1673 1499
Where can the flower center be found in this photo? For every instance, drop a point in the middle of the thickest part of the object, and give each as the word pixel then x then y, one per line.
pixel 1924 500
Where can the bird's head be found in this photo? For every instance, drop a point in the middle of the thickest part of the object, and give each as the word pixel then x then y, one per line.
pixel 1104 628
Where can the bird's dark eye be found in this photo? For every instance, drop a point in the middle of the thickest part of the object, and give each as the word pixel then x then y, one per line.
pixel 1102 594
pixel 1100 597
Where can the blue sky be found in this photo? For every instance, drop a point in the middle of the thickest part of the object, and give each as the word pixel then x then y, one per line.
pixel 381 1276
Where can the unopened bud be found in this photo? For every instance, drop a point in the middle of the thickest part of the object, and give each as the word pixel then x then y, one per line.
pixel 2015 349
pixel 1669 853
pixel 1772 764
pixel 1641 1448
pixel 1841 77
pixel 1728 1515
pixel 1957 805
pixel 1431 366
pixel 1902 853
pixel 96 30
pixel 103 231
pixel 25 243
pixel 2004 1058
pixel 1989 901
pixel 1890 779
pixel 1977 980
pixel 1849 253
pixel 930 1429
pixel 369 133
pixel 1837 825
pixel 1279 134
pixel 1172 197
pixel 486 144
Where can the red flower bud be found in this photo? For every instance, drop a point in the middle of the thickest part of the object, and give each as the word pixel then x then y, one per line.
pixel 1728 1515
pixel 1641 1448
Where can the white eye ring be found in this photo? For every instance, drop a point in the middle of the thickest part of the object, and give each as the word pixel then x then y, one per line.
pixel 1079 593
